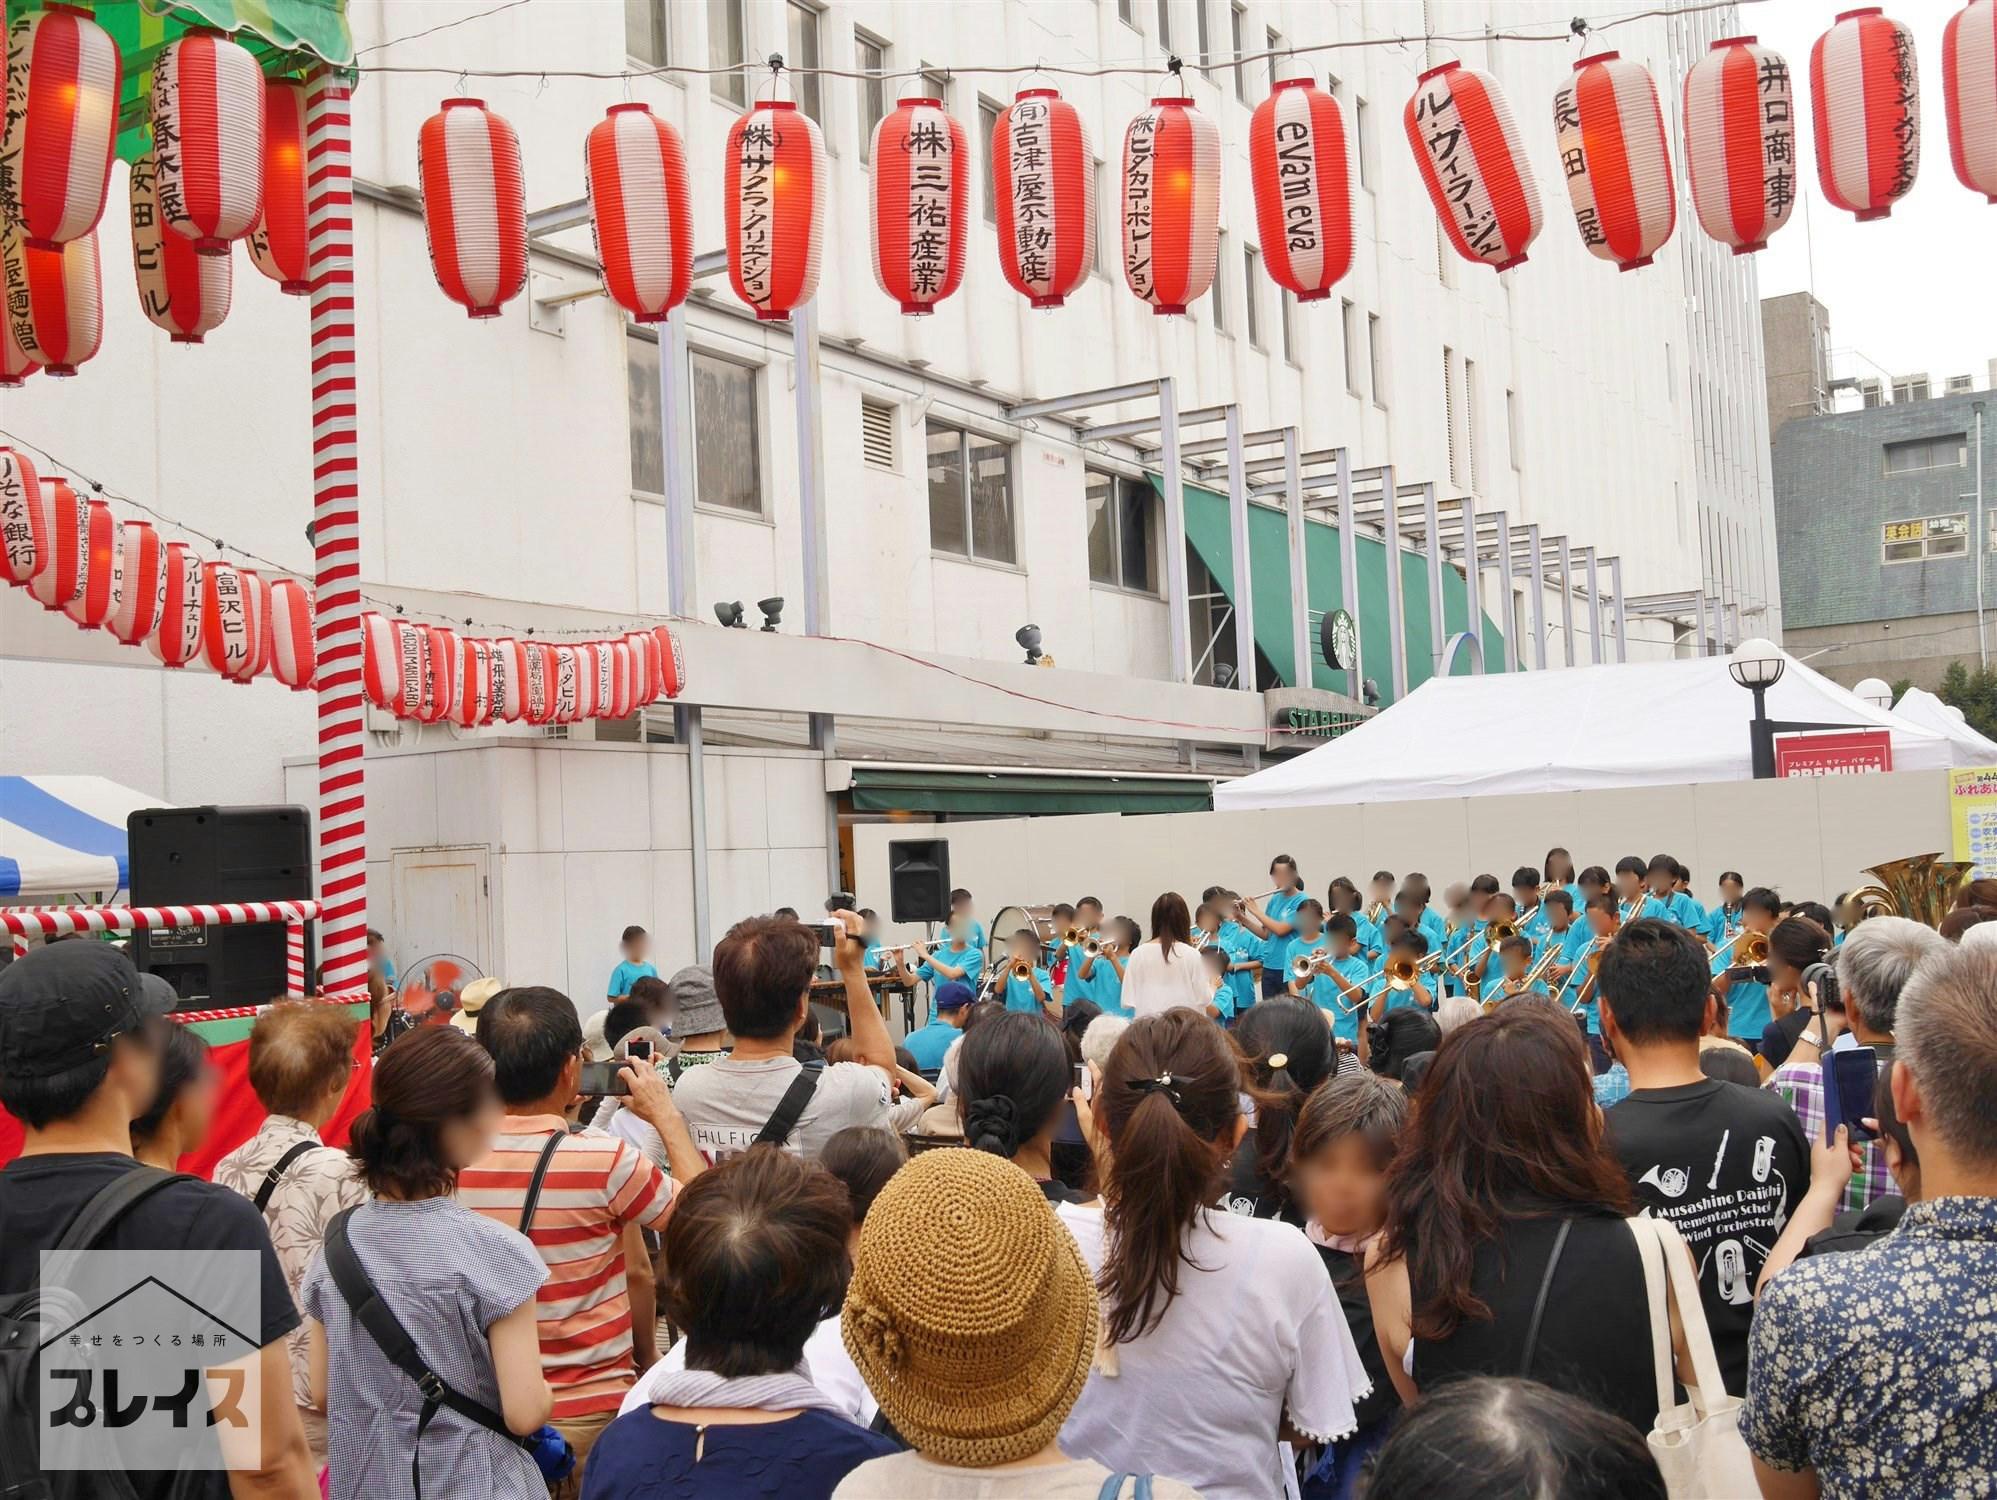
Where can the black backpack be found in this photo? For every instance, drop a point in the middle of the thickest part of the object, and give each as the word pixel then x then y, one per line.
pixel 23 1327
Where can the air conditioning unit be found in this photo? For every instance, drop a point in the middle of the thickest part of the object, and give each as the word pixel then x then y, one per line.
pixel 1959 385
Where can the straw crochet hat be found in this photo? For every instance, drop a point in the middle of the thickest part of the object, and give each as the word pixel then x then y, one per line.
pixel 971 1314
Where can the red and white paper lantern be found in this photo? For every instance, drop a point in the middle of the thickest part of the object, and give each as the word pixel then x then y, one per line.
pixel 648 681
pixel 440 673
pixel 672 663
pixel 1865 100
pixel 1969 95
pixel 1044 185
pixel 1740 142
pixel 137 611
pixel 1303 198
pixel 508 662
pixel 1171 204
pixel 471 705
pixel 773 207
pixel 61 125
pixel 1615 158
pixel 381 662
pixel 635 169
pixel 15 364
pixel 180 289
pixel 54 301
pixel 176 634
pixel 100 568
pixel 20 500
pixel 589 681
pixel 61 529
pixel 1477 173
pixel 565 679
pixel 921 208
pixel 537 686
pixel 278 244
pixel 208 138
pixel 235 621
pixel 474 205
pixel 292 652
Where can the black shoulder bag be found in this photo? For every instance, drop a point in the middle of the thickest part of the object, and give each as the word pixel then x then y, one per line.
pixel 777 1129
pixel 276 1174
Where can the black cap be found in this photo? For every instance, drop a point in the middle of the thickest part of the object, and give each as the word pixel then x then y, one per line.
pixel 62 1003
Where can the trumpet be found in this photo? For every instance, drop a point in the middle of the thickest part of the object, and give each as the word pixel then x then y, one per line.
pixel 1021 969
pixel 1072 936
pixel 1094 945
pixel 1305 964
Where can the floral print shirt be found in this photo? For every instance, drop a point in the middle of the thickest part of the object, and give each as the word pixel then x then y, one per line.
pixel 314 1188
pixel 1878 1369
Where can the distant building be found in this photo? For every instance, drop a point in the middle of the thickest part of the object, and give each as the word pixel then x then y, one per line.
pixel 1796 334
pixel 1877 515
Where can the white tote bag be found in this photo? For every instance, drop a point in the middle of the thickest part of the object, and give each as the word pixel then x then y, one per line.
pixel 1696 1442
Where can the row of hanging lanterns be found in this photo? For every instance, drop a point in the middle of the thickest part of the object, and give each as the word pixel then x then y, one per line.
pixel 229 148
pixel 76 558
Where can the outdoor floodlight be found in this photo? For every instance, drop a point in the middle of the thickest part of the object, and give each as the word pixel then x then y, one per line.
pixel 730 614
pixel 773 611
pixel 1028 637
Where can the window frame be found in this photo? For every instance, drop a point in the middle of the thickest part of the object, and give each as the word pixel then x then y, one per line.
pixel 813 81
pixel 1958 440
pixel 1251 301
pixel 661 26
pixel 863 40
pixel 1165 24
pixel 1122 485
pixel 1203 36
pixel 1286 311
pixel 1126 12
pixel 1237 21
pixel 1348 333
pixel 1376 359
pixel 966 436
pixel 1221 324
pixel 989 110
pixel 1362 144
pixel 1925 541
pixel 723 88
pixel 760 429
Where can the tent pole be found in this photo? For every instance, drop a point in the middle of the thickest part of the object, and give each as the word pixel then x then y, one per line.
pixel 1244 573
pixel 336 624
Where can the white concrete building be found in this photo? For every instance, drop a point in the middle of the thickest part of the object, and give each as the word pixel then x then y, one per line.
pixel 514 465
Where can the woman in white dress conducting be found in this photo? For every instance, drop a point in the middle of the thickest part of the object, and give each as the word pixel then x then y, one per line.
pixel 1167 971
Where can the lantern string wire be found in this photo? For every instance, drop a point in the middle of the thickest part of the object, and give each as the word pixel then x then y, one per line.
pixel 415 36
pixel 1566 32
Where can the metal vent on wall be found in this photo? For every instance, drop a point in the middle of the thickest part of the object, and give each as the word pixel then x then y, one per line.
pixel 877 433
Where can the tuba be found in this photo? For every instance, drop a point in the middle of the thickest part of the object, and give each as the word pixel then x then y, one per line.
pixel 1919 886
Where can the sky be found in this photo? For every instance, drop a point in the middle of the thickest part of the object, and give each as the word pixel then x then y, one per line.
pixel 1913 292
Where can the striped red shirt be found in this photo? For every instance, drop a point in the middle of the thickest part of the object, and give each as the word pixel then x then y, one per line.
pixel 595 1185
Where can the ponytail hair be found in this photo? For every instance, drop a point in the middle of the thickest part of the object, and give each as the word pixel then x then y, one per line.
pixel 1169 1105
pixel 1288 1051
pixel 1012 1074
pixel 1171 922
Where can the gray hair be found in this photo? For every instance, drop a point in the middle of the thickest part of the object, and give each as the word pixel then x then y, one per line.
pixel 1454 1011
pixel 1874 963
pixel 1100 1039
pixel 1948 1037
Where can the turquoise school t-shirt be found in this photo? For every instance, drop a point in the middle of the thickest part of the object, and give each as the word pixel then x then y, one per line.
pixel 627 974
pixel 1241 945
pixel 1281 907
pixel 1019 993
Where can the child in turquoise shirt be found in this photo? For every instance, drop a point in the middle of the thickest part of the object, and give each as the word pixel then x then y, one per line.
pixel 636 947
pixel 1029 986
pixel 1221 1007
pixel 1514 963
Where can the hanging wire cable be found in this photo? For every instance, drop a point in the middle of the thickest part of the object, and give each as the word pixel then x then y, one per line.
pixel 396 41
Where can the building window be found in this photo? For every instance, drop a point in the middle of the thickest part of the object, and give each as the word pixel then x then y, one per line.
pixel 1204 27
pixel 1251 296
pixel 1286 306
pixel 1958 385
pixel 1237 21
pixel 936 86
pixel 646 38
pixel 641 391
pixel 1948 452
pixel 1919 540
pixel 727 459
pixel 1910 388
pixel 871 56
pixel 1348 322
pixel 1126 11
pixel 1219 298
pixel 725 49
pixel 1376 356
pixel 1273 45
pixel 988 116
pixel 1362 142
pixel 1470 434
pixel 1105 221
pixel 1165 24
pixel 877 432
pixel 1123 529
pixel 807 88
pixel 970 495
pixel 1513 439
pixel 1449 414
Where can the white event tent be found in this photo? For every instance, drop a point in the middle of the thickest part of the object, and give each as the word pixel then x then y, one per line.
pixel 1627 724
pixel 1920 707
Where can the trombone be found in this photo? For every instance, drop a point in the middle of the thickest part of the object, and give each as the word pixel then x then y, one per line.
pixel 1584 970
pixel 1506 992
pixel 1750 950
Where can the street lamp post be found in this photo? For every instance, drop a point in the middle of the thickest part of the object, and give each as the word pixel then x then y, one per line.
pixel 1757 664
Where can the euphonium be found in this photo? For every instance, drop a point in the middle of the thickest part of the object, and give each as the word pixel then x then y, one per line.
pixel 1920 886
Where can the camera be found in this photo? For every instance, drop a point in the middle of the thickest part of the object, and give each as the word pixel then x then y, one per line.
pixel 1824 979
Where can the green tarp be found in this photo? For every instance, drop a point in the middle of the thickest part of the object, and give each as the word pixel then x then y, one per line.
pixel 1208 531
pixel 285 36
pixel 1000 794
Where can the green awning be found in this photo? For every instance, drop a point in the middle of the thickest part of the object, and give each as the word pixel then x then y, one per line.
pixel 1208 532
pixel 285 37
pixel 1013 795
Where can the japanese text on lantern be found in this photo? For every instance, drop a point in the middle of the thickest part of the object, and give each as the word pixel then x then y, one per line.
pixel 928 148
pixel 1778 138
pixel 759 141
pixel 411 642
pixel 1443 135
pixel 148 253
pixel 1032 190
pixel 1574 162
pixel 166 145
pixel 1296 170
pixel 1140 167
pixel 19 55
pixel 1906 120
pixel 229 613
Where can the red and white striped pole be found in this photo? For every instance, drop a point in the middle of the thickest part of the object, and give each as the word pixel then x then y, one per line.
pixel 294 958
pixel 342 867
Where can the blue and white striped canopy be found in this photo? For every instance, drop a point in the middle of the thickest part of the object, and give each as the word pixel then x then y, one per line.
pixel 63 837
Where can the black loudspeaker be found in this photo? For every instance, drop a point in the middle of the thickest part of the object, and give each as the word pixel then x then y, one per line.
pixel 211 855
pixel 919 880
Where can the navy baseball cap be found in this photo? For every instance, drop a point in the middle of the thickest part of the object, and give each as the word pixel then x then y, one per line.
pixel 61 1005
pixel 953 995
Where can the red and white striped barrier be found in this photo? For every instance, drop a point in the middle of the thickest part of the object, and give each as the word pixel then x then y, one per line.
pixel 56 921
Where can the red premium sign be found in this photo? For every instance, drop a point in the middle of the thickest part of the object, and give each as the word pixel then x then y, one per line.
pixel 1844 753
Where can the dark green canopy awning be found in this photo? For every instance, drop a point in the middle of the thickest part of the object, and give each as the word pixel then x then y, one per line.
pixel 285 37
pixel 1269 573
pixel 1014 794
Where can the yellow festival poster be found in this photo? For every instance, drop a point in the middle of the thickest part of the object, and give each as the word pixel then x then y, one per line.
pixel 1972 816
